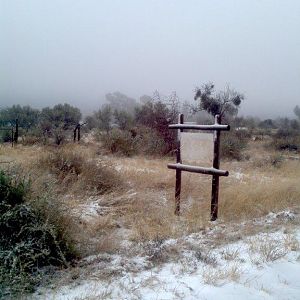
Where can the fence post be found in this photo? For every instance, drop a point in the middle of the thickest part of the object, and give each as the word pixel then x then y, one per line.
pixel 215 178
pixel 12 136
pixel 178 172
pixel 74 134
pixel 78 136
pixel 17 132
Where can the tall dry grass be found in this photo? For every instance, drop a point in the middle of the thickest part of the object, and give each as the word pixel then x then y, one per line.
pixel 262 191
pixel 77 170
pixel 144 206
pixel 249 192
pixel 65 178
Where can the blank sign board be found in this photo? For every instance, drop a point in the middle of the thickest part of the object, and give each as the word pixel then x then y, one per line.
pixel 197 147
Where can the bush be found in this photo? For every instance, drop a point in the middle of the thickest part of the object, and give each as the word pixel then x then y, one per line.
pixel 28 240
pixel 150 142
pixel 5 136
pixel 139 140
pixel 120 141
pixel 274 160
pixel 233 143
pixel 157 115
pixel 286 139
pixel 72 168
pixel 29 140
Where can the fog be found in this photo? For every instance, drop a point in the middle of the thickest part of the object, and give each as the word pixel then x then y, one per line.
pixel 77 51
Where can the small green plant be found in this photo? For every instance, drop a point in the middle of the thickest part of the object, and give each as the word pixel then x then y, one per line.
pixel 28 239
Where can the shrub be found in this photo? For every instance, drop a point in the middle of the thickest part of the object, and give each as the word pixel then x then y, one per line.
pixel 274 160
pixel 138 140
pixel 149 142
pixel 286 139
pixel 29 140
pixel 123 119
pixel 233 143
pixel 5 136
pixel 72 168
pixel 157 116
pixel 28 240
pixel 120 141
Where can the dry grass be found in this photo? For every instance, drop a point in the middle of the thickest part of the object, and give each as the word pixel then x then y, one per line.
pixel 268 248
pixel 261 192
pixel 145 205
pixel 207 257
pixel 230 254
pixel 66 177
pixel 258 191
pixel 78 172
pixel 291 243
pixel 140 206
pixel 219 276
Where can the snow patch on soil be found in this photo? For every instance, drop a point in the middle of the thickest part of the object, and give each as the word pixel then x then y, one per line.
pixel 261 266
pixel 122 168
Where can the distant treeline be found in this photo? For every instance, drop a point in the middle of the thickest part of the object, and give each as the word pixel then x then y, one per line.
pixel 129 126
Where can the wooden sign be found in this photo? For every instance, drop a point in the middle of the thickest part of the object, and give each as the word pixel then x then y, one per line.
pixel 203 154
pixel 197 147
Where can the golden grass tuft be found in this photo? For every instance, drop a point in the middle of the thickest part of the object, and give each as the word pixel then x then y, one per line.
pixel 78 172
pixel 261 192
pixel 254 193
pixel 219 276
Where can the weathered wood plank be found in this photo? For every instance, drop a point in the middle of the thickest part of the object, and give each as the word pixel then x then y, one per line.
pixel 215 178
pixel 178 172
pixel 201 170
pixel 200 127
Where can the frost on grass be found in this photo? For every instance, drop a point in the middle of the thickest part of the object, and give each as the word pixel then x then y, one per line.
pixel 261 266
pixel 220 276
pixel 266 248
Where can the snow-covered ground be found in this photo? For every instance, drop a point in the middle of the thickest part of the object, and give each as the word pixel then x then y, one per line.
pixel 265 265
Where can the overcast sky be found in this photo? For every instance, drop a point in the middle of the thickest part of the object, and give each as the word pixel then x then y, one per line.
pixel 76 51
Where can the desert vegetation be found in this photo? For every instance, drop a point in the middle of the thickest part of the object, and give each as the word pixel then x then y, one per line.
pixel 63 201
pixel 31 238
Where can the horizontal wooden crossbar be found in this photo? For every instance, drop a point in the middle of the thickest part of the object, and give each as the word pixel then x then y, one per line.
pixel 200 127
pixel 194 169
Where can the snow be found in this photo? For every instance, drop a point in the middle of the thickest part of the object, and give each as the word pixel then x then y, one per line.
pixel 238 175
pixel 262 266
pixel 122 168
pixel 97 206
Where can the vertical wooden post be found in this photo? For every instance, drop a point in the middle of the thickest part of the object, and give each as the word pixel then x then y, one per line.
pixel 178 172
pixel 215 178
pixel 78 136
pixel 74 134
pixel 12 136
pixel 17 132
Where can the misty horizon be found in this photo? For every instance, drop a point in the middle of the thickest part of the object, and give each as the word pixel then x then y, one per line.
pixel 76 52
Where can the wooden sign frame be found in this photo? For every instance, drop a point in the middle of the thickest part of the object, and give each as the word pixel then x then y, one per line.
pixel 214 170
